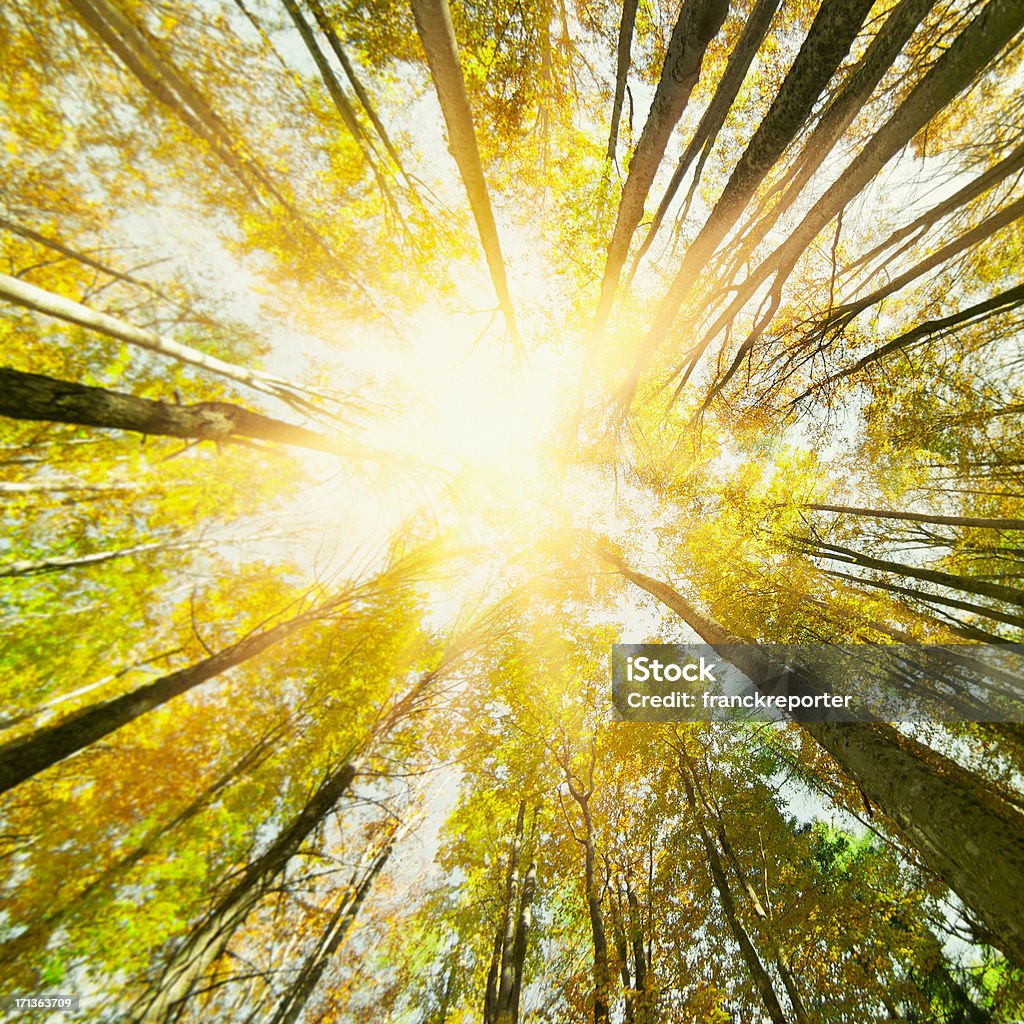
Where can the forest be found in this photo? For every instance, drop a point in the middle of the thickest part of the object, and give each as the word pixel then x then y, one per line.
pixel 370 368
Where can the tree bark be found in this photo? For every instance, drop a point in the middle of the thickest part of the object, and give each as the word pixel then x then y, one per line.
pixel 290 1008
pixel 703 141
pixel 207 942
pixel 972 50
pixel 969 837
pixel 758 974
pixel 698 23
pixel 41 301
pixel 34 397
pixel 434 24
pixel 626 24
pixel 970 522
pixel 958 66
pixel 27 755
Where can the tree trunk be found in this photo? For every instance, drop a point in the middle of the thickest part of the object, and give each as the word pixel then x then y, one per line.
pixel 27 755
pixel 958 66
pixel 31 396
pixel 621 70
pixel 970 838
pixel 758 974
pixel 965 584
pixel 290 1008
pixel 972 50
pixel 740 59
pixel 698 23
pixel 970 522
pixel 434 24
pixel 41 301
pixel 883 50
pixel 207 942
pixel 1004 302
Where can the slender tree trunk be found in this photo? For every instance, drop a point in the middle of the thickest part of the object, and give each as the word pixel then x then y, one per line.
pixel 27 755
pixel 1004 302
pixel 37 299
pixel 290 1008
pixel 958 66
pixel 703 140
pixel 965 584
pixel 350 73
pixel 882 51
pixel 972 50
pixel 434 24
pixel 969 522
pixel 758 973
pixel 969 837
pixel 505 979
pixel 31 396
pixel 207 942
pixel 626 23
pixel 698 23
pixel 522 939
pixel 37 935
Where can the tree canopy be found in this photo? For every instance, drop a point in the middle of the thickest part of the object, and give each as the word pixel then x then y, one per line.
pixel 370 370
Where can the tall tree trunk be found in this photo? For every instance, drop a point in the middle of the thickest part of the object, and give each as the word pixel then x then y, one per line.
pixel 290 1008
pixel 978 44
pixel 41 301
pixel 965 584
pixel 27 755
pixel 972 50
pixel 969 522
pixel 626 23
pixel 1006 301
pixel 37 935
pixel 498 1010
pixel 207 942
pixel 522 939
pixel 31 396
pixel 703 140
pixel 365 101
pixel 698 23
pixel 969 837
pixel 882 51
pixel 434 24
pixel 758 973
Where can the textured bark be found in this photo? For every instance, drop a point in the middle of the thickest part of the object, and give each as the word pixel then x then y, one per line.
pixel 968 836
pixel 49 304
pixel 969 54
pixel 31 396
pixel 434 24
pixel 703 141
pixel 971 522
pixel 522 939
pixel 506 973
pixel 44 566
pixel 698 23
pixel 206 943
pixel 978 44
pixel 827 43
pixel 1004 302
pixel 27 755
pixel 626 24
pixel 848 103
